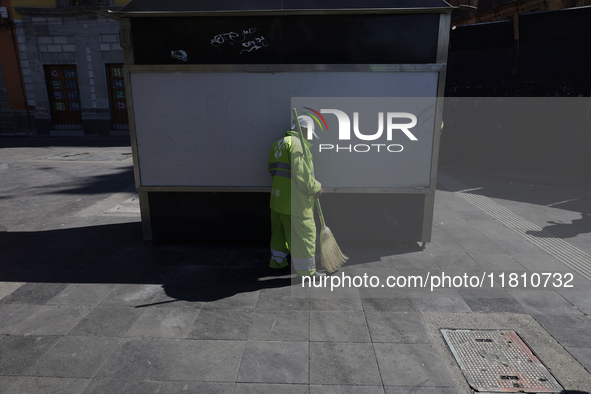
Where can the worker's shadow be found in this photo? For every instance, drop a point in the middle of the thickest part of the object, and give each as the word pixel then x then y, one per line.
pixel 565 230
pixel 230 275
pixel 234 284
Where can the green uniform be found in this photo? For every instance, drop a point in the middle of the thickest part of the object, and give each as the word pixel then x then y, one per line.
pixel 292 205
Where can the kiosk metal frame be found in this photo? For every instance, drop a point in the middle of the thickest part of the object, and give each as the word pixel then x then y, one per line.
pixel 439 67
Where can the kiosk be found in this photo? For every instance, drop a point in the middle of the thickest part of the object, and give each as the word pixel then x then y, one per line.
pixel 211 85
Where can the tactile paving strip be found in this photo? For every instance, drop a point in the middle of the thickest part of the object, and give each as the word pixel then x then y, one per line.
pixel 557 247
pixel 499 361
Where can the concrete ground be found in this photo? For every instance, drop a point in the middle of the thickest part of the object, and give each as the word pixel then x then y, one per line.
pixel 86 306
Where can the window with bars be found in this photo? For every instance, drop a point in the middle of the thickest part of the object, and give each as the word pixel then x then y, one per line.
pixel 64 97
pixel 117 97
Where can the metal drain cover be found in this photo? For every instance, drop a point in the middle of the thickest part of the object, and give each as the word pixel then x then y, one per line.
pixel 498 361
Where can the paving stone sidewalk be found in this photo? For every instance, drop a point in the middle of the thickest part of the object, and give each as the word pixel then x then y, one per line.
pixel 86 306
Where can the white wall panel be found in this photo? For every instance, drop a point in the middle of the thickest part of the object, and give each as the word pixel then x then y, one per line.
pixel 215 129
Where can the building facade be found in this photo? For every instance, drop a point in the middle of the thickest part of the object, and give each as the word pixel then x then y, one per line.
pixel 484 11
pixel 72 68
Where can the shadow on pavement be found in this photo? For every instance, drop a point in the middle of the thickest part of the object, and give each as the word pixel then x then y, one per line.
pixel 47 141
pixel 191 293
pixel 565 199
pixel 566 230
pixel 538 195
pixel 116 181
pixel 117 254
pixel 362 253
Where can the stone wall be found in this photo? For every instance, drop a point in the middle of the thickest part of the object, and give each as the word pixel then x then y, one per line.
pixel 59 37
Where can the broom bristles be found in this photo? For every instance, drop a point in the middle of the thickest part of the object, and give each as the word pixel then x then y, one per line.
pixel 331 256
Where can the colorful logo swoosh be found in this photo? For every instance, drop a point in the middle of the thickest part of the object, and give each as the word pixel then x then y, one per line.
pixel 315 116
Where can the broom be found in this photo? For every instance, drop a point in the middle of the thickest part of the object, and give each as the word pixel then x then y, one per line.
pixel 331 256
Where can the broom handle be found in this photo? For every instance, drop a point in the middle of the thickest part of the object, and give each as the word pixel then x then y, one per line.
pixel 297 122
pixel 320 213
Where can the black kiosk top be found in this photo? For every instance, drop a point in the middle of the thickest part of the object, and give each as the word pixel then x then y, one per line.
pixel 284 31
pixel 145 7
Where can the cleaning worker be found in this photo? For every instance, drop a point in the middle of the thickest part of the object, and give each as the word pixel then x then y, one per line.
pixel 293 191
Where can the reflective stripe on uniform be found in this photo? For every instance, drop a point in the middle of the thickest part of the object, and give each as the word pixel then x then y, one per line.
pixel 278 256
pixel 279 164
pixel 304 264
pixel 285 174
pixel 278 253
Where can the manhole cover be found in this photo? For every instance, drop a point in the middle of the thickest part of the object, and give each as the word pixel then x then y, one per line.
pixel 499 361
